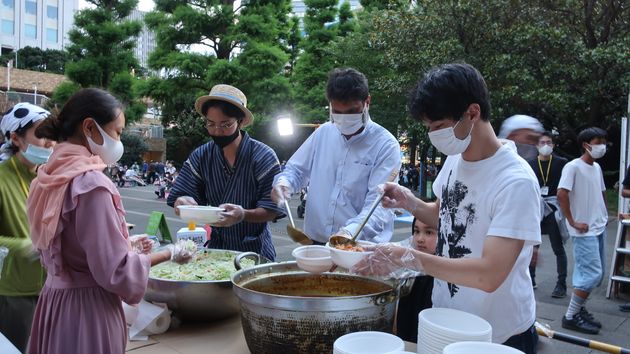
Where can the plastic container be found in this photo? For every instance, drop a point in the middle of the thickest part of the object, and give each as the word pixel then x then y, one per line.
pixel 198 235
pixel 313 259
pixel 200 214
pixel 348 259
pixel 368 343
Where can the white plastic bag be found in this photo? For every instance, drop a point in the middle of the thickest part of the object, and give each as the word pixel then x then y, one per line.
pixel 3 254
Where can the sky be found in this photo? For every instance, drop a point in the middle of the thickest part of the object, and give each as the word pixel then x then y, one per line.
pixel 143 5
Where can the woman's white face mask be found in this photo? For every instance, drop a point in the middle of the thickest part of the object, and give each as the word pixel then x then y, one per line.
pixel 349 124
pixel 111 151
pixel 446 142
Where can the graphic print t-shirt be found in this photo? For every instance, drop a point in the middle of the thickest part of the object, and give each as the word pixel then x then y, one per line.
pixel 498 196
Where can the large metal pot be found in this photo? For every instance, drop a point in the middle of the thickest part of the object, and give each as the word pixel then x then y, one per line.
pixel 286 310
pixel 199 300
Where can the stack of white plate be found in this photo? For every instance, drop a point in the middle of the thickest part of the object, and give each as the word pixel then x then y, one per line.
pixel 439 327
pixel 368 343
pixel 479 348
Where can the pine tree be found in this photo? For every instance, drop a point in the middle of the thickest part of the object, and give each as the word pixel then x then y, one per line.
pixel 102 43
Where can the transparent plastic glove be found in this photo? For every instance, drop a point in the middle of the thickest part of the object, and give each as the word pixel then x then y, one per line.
pixel 183 251
pixel 397 196
pixel 233 214
pixel 390 261
pixel 281 191
pixel 141 243
pixel 185 200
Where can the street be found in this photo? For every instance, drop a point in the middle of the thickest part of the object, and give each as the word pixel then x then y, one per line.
pixel 139 202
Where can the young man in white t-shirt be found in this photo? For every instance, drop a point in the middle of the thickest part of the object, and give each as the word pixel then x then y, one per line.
pixel 487 212
pixel 583 201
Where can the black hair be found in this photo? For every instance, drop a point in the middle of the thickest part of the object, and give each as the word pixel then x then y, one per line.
pixel 413 223
pixel 447 92
pixel 588 134
pixel 228 109
pixel 93 103
pixel 346 85
pixel 547 134
pixel 21 132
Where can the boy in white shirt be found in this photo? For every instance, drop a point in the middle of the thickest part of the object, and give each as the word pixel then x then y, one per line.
pixel 487 211
pixel 583 202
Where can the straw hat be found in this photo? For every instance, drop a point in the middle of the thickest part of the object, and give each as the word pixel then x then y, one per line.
pixel 229 94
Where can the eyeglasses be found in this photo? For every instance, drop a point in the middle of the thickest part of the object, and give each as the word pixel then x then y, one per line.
pixel 223 127
pixel 541 143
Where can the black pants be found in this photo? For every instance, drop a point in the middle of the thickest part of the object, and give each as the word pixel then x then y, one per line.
pixel 16 317
pixel 549 226
pixel 525 342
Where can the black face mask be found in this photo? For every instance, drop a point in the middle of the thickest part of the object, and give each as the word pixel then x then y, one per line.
pixel 224 140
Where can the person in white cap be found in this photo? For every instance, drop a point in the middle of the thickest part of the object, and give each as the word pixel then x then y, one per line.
pixel 232 171
pixel 524 131
pixel 22 273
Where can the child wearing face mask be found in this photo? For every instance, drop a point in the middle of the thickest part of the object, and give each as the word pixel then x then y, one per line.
pixel 22 275
pixel 423 239
pixel 78 226
pixel 581 194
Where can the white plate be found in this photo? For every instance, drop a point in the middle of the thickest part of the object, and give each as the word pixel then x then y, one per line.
pixel 200 214
pixel 368 343
pixel 453 323
pixel 479 348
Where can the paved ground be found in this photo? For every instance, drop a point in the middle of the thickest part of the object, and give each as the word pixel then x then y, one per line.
pixel 140 201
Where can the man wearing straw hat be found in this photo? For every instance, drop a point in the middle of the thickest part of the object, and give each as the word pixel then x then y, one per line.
pixel 232 171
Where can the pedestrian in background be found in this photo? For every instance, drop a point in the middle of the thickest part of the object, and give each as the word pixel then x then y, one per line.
pixel 581 194
pixel 22 274
pixel 548 169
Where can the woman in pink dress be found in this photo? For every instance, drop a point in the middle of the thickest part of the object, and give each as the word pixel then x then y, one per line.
pixel 78 224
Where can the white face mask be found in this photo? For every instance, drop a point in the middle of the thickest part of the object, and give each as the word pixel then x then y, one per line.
pixel 349 124
pixel 446 141
pixel 597 151
pixel 111 151
pixel 545 150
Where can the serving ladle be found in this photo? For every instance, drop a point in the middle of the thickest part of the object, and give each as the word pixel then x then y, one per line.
pixel 341 240
pixel 296 234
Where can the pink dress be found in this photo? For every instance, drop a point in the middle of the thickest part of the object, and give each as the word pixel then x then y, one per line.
pixel 90 270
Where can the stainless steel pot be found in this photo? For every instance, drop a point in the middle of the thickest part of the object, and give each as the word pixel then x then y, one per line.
pixel 199 300
pixel 286 310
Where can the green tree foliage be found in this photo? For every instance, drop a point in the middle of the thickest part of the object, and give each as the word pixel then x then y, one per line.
pixel 135 148
pixel 188 134
pixel 103 41
pixel 33 58
pixel 247 47
pixel 315 61
pixel 565 62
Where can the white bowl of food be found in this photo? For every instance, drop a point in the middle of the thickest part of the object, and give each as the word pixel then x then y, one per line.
pixel 347 255
pixel 200 214
pixel 368 343
pixel 313 259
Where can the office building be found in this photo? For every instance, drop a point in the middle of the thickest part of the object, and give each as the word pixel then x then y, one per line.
pixel 146 39
pixel 36 23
